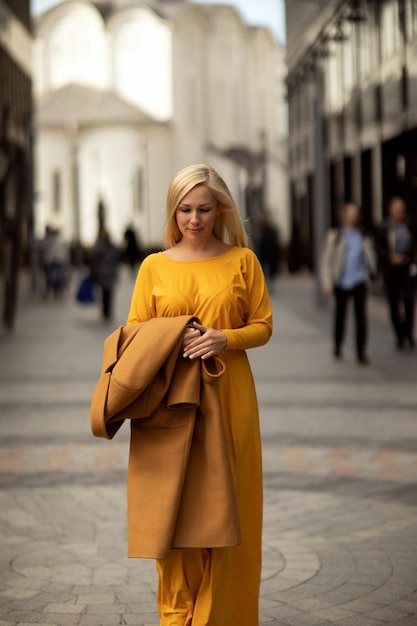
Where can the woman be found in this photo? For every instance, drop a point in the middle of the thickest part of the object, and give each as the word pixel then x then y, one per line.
pixel 207 271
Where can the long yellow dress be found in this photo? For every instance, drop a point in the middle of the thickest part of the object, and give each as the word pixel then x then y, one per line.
pixel 218 586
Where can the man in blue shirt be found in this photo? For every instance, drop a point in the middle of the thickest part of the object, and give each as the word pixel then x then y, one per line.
pixel 348 262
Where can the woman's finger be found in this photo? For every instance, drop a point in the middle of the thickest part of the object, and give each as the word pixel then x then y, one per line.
pixel 200 327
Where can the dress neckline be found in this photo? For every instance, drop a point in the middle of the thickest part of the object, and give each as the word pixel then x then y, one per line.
pixel 209 258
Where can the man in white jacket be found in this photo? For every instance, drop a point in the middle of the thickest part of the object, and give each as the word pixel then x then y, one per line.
pixel 349 260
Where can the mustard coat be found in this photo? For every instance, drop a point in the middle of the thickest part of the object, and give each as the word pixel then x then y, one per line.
pixel 180 487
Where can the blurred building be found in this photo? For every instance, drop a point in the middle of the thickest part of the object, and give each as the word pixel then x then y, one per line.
pixel 352 90
pixel 15 147
pixel 128 92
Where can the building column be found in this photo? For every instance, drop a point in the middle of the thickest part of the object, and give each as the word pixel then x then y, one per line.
pixel 377 208
pixel 319 194
pixel 357 177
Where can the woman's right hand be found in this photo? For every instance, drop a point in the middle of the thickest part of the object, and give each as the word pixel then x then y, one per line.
pixel 189 335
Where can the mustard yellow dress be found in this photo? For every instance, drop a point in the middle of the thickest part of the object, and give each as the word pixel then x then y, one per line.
pixel 218 586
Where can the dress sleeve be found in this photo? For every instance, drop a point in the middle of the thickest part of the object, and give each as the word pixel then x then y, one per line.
pixel 142 304
pixel 258 327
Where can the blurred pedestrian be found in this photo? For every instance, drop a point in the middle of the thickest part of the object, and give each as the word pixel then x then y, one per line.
pixel 397 253
pixel 55 260
pixel 104 261
pixel 349 260
pixel 267 250
pixel 132 252
pixel 44 256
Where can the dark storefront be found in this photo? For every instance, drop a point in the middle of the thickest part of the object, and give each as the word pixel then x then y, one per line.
pixel 15 155
pixel 351 67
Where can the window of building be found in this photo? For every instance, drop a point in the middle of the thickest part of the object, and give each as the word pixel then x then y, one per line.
pixel 366 46
pixel 349 65
pixel 56 191
pixel 334 85
pixel 390 35
pixel 306 104
pixel 412 22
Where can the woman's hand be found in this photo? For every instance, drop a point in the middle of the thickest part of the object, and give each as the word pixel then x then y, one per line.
pixel 203 342
pixel 189 336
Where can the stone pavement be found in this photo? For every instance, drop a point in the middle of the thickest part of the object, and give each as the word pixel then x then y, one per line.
pixel 340 468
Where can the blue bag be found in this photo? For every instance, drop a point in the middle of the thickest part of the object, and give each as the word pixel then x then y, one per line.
pixel 85 292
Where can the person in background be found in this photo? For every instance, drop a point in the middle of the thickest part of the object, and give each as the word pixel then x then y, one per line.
pixel 55 258
pixel 208 271
pixel 268 250
pixel 131 251
pixel 349 260
pixel 397 254
pixel 44 257
pixel 104 262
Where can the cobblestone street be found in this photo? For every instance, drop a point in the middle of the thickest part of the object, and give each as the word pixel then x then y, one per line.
pixel 340 474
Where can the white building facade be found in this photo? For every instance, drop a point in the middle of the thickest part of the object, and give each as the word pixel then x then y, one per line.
pixel 128 93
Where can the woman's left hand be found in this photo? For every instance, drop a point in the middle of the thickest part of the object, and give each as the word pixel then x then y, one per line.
pixel 209 343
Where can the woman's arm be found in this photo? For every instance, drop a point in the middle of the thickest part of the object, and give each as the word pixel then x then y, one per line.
pixel 258 326
pixel 141 306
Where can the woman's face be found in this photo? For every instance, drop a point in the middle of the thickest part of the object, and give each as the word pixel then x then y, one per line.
pixel 196 214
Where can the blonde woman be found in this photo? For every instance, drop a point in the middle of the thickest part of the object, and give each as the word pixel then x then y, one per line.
pixel 206 270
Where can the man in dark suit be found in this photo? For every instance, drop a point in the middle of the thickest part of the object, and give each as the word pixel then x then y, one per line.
pixel 397 248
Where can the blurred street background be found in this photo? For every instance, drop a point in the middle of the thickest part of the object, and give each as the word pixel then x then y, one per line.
pixel 301 106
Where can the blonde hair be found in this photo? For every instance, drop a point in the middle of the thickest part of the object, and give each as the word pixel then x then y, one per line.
pixel 228 226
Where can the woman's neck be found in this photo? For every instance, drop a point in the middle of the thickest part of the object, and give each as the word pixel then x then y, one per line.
pixel 185 250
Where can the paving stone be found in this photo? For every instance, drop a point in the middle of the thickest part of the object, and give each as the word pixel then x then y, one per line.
pixel 16 616
pixel 333 613
pixel 361 606
pixel 388 614
pixel 150 618
pixel 62 619
pixel 70 608
pixel 31 624
pixel 19 593
pixel 98 599
pixel 359 621
pixel 405 606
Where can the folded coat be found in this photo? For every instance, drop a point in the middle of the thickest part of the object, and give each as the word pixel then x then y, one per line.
pixel 181 492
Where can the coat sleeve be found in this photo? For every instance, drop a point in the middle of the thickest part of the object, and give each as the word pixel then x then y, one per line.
pixel 258 327
pixel 100 427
